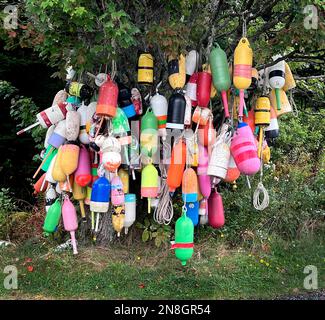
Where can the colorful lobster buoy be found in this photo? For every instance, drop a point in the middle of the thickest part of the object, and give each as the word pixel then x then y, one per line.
pixel 244 151
pixel 70 221
pixel 242 77
pixel 202 172
pixel 204 82
pixel 262 118
pixel 216 214
pixel 191 89
pixel 176 72
pixel 57 172
pixel 52 218
pixel 272 131
pixel 177 165
pixel 276 78
pixel 69 158
pixel 149 183
pixel 130 211
pixel 117 199
pixel 184 237
pixel 250 119
pixel 125 100
pixel 111 152
pixel 137 101
pixel 207 134
pixel 159 106
pixel 124 176
pixel 232 173
pixel 290 82
pixel 285 104
pixel 72 125
pixel 83 172
pixel 48 117
pixel 145 69
pixel 107 99
pixel 99 200
pixel 176 111
pixel 189 186
pixel 83 135
pixel 149 134
pixel 219 160
pixel 191 63
pixel 41 184
pixel 220 74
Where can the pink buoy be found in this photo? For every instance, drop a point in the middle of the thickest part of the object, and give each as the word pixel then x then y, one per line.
pixel 70 221
pixel 216 215
pixel 117 194
pixel 203 177
pixel 82 175
pixel 244 150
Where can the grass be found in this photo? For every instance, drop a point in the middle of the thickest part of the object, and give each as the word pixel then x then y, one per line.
pixel 143 272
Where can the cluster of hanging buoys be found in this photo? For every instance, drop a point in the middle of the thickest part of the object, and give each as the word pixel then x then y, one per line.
pixel 98 137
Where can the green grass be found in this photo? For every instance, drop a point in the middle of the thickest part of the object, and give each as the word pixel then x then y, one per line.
pixel 144 272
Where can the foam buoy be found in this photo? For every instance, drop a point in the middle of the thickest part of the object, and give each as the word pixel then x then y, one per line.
pixel 220 74
pixel 216 214
pixel 244 151
pixel 242 77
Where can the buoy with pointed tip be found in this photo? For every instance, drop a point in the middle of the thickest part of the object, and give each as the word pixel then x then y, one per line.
pixel 70 221
pixel 48 117
pixel 52 218
pixel 220 74
pixel 242 76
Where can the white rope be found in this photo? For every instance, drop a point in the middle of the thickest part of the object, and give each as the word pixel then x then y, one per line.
pixel 164 212
pixel 261 191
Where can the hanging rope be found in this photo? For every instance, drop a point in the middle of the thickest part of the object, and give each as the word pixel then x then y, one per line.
pixel 164 212
pixel 295 111
pixel 258 203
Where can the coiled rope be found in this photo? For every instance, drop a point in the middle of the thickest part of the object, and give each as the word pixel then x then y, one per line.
pixel 164 212
pixel 261 191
